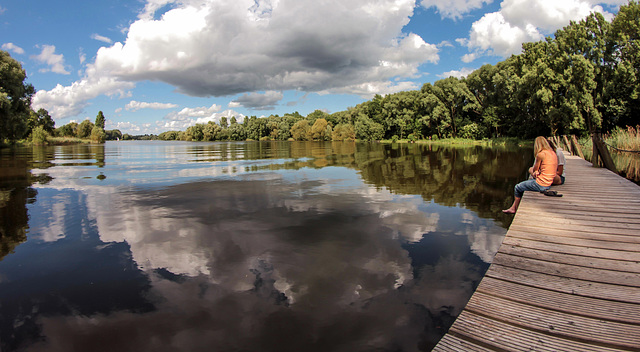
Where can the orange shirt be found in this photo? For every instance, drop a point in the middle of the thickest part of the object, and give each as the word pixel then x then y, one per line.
pixel 548 167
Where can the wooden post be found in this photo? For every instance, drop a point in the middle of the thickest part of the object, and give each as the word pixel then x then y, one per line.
pixel 576 146
pixel 601 148
pixel 566 142
pixel 595 155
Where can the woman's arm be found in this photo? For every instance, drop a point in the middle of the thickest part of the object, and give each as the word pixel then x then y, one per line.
pixel 537 164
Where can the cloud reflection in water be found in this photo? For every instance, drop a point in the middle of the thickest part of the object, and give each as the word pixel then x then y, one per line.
pixel 306 259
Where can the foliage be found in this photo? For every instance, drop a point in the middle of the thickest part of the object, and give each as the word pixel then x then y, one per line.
pixel 100 120
pixel 84 129
pixel 98 135
pixel 39 136
pixel 15 99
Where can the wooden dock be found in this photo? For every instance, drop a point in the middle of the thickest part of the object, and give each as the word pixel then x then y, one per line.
pixel 567 276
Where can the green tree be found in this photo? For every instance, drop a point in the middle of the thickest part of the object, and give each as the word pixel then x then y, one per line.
pixel 368 130
pixel 41 118
pixel 300 130
pixel 97 134
pixel 321 130
pixel 84 129
pixel 100 120
pixel 343 132
pixel 68 130
pixel 15 99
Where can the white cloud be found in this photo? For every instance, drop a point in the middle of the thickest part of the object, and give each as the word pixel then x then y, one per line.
pixel 463 72
pixel 82 57
pixel 252 46
pixel 518 21
pixel 187 117
pixel 137 105
pixel 63 102
pixel 369 89
pixel 257 101
pixel 454 9
pixel 101 38
pixel 49 57
pixel 12 47
pixel 268 46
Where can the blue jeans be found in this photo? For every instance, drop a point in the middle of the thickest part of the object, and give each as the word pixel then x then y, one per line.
pixel 528 185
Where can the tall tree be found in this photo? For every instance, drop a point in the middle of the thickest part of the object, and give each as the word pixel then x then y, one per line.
pixel 15 99
pixel 100 120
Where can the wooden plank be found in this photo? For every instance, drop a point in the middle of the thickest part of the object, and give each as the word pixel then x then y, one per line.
pixel 585 288
pixel 564 302
pixel 491 332
pixel 574 239
pixel 451 343
pixel 578 215
pixel 568 271
pixel 577 234
pixel 551 322
pixel 629 266
pixel 575 225
pixel 574 250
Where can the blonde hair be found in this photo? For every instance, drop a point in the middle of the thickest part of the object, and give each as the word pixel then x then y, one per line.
pixel 540 144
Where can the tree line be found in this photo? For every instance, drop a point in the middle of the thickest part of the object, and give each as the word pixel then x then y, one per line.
pixel 584 79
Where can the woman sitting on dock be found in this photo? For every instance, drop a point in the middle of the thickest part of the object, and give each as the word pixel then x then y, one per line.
pixel 543 172
pixel 559 179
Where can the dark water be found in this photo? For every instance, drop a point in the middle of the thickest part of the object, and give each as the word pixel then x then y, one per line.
pixel 257 246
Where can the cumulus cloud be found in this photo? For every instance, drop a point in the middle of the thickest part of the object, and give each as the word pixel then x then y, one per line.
pixel 454 9
pixel 12 47
pixel 220 48
pixel 264 46
pixel 50 58
pixel 257 101
pixel 137 105
pixel 463 72
pixel 71 100
pixel 101 38
pixel 190 116
pixel 518 21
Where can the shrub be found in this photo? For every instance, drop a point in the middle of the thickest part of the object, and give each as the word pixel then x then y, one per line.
pixel 98 135
pixel 39 136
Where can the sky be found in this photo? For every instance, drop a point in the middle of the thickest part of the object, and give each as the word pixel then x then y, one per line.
pixel 156 65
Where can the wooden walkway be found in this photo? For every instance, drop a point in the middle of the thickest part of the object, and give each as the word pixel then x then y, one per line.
pixel 567 276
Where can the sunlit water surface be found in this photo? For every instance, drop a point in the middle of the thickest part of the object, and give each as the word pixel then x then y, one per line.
pixel 256 246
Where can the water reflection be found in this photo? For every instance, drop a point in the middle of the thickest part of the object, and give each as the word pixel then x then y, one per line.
pixel 251 246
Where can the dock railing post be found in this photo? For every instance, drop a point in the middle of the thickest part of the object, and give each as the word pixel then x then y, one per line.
pixel 576 146
pixel 600 151
pixel 566 142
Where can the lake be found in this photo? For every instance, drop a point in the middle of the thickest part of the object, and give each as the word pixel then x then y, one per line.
pixel 246 246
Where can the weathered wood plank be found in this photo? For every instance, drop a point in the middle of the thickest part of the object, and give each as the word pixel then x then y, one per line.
pixel 631 266
pixel 564 302
pixel 629 238
pixel 574 250
pixel 533 211
pixel 560 324
pixel 451 343
pixel 572 286
pixel 576 240
pixel 513 338
pixel 569 271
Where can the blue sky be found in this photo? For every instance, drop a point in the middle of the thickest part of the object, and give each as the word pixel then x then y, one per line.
pixel 157 65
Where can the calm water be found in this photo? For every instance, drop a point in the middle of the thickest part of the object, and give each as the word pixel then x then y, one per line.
pixel 257 246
